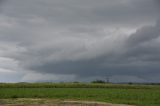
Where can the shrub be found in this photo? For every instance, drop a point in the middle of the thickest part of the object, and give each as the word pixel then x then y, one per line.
pixel 98 81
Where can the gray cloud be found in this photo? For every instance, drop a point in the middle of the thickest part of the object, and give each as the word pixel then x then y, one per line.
pixel 145 34
pixel 80 40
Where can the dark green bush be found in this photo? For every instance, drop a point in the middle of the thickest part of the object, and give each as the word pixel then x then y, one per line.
pixel 98 81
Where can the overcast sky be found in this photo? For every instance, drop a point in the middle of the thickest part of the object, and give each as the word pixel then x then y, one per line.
pixel 79 40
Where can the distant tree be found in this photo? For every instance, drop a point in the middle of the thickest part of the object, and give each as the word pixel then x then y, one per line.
pixel 76 82
pixel 130 83
pixel 98 81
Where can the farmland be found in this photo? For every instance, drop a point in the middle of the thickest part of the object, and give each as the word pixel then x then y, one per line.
pixel 141 95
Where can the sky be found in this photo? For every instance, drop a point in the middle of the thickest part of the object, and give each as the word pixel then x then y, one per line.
pixel 79 40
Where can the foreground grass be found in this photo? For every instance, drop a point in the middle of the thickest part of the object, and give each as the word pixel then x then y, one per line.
pixel 141 95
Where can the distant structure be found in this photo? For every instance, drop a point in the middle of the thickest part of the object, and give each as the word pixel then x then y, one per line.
pixel 107 80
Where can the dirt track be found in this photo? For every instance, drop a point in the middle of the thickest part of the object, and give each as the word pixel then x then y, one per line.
pixel 45 102
pixel 88 103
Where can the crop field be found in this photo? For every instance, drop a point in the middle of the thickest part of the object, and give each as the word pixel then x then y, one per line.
pixel 140 95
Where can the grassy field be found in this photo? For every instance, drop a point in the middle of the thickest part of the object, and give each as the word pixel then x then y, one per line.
pixel 141 95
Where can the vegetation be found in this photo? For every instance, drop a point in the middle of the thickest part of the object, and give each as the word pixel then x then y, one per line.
pixel 142 95
pixel 77 85
pixel 98 81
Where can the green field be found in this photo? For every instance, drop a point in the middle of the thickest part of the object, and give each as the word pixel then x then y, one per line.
pixel 141 95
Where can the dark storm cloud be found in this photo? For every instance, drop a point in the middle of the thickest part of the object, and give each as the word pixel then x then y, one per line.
pixel 2 1
pixel 145 42
pixel 81 39
pixel 85 12
pixel 140 57
pixel 145 34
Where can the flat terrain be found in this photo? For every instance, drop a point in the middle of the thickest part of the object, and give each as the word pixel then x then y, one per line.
pixel 140 95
